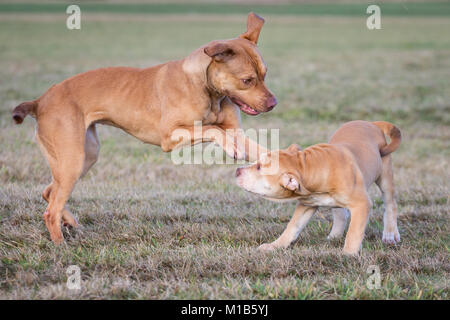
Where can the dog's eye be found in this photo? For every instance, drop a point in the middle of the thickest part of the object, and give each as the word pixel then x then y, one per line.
pixel 247 81
pixel 258 166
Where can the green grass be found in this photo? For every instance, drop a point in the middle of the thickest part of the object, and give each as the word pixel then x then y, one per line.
pixel 346 9
pixel 155 230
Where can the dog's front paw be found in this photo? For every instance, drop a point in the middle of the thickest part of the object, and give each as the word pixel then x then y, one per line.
pixel 234 148
pixel 266 247
pixel 236 154
pixel 391 237
pixel 239 152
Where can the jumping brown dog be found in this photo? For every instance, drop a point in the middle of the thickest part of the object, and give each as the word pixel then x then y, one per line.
pixel 337 174
pixel 211 85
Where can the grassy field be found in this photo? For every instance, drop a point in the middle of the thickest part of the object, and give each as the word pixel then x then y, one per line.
pixel 430 8
pixel 155 230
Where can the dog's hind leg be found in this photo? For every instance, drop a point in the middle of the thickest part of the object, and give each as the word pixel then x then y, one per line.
pixel 340 216
pixel 386 184
pixel 62 141
pixel 91 149
pixel 67 217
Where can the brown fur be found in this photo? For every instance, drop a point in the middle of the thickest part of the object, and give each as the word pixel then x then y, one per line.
pixel 337 174
pixel 210 85
pixel 23 109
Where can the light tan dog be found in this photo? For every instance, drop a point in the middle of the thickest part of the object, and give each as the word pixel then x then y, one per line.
pixel 211 85
pixel 337 174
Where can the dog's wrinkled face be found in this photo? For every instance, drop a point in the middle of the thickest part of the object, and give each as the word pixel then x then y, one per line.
pixel 237 70
pixel 274 176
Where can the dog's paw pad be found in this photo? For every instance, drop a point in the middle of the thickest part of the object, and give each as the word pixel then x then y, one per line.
pixel 266 247
pixel 332 237
pixel 391 237
pixel 239 154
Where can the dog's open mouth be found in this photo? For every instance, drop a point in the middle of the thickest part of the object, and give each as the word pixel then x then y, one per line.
pixel 245 107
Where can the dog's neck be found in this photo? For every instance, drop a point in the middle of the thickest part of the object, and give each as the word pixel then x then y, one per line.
pixel 312 171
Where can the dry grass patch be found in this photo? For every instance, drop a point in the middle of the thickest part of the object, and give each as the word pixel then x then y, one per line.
pixel 155 230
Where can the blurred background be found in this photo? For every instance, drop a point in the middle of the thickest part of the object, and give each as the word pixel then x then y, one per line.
pixel 161 226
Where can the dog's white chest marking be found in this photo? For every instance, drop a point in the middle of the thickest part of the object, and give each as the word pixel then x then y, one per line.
pixel 318 200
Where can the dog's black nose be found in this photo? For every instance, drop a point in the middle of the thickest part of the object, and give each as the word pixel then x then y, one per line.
pixel 271 103
pixel 238 172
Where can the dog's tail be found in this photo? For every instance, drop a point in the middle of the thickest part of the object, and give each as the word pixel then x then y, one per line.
pixel 23 109
pixel 393 133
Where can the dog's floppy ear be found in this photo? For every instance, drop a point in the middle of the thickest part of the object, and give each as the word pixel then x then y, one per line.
pixel 254 25
pixel 294 148
pixel 293 183
pixel 289 182
pixel 219 51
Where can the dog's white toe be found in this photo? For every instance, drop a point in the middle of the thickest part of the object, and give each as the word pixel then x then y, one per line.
pixel 391 237
pixel 266 247
pixel 334 236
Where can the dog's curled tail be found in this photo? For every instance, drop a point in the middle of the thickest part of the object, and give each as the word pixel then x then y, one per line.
pixel 393 133
pixel 23 109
